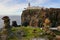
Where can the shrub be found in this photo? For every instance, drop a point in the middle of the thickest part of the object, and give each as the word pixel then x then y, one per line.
pixel 26 32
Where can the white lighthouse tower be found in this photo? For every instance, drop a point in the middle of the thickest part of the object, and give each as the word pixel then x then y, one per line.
pixel 29 4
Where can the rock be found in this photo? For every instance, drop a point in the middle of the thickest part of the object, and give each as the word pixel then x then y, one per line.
pixel 57 37
pixel 35 17
pixel 6 28
pixel 58 28
pixel 14 24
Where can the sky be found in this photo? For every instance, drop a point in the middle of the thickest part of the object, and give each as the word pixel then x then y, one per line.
pixel 15 7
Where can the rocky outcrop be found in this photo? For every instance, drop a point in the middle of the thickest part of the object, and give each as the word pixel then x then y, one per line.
pixel 6 28
pixel 14 24
pixel 36 17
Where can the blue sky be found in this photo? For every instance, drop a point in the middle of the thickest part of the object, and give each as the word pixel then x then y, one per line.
pixel 15 7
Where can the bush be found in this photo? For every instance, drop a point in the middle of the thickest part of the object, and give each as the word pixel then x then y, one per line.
pixel 25 32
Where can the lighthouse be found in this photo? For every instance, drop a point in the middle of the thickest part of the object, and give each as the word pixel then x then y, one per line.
pixel 29 4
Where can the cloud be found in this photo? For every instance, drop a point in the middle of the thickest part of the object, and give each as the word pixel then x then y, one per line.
pixel 11 10
pixel 15 7
pixel 37 2
pixel 9 7
pixel 54 5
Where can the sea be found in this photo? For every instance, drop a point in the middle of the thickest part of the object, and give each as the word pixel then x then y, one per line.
pixel 16 18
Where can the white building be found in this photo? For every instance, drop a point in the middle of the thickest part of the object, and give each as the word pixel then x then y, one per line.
pixel 34 7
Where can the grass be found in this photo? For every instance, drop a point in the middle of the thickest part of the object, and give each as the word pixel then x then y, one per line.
pixel 27 33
